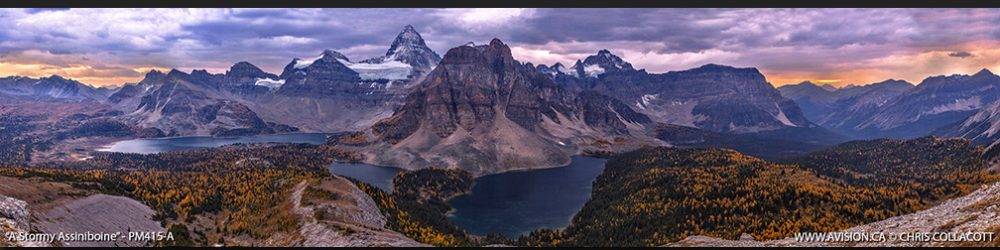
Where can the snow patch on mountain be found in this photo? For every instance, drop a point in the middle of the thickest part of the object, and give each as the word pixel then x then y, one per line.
pixel 388 70
pixel 301 64
pixel 270 83
pixel 646 99
pixel 783 119
pixel 593 70
pixel 558 67
pixel 967 104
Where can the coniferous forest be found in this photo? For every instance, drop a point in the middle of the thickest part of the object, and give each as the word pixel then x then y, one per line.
pixel 655 196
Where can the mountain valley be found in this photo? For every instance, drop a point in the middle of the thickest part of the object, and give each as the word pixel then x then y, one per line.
pixel 713 153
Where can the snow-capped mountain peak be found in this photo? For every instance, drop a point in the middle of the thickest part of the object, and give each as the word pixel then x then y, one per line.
pixel 603 62
pixel 406 40
pixel 606 53
pixel 556 69
pixel 409 48
pixel 407 57
pixel 327 55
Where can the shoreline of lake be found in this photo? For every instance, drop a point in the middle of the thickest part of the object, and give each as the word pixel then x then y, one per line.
pixel 183 143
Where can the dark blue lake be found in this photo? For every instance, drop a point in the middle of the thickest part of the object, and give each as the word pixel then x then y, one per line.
pixel 512 203
pixel 159 145
pixel 517 203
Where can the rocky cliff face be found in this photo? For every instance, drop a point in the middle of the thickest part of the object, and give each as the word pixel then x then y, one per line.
pixel 483 111
pixel 246 80
pixel 983 127
pixel 245 73
pixel 726 99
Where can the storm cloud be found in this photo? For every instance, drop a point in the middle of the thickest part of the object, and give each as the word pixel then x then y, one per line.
pixel 854 46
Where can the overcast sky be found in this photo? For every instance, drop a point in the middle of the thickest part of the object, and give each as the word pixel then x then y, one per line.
pixel 837 46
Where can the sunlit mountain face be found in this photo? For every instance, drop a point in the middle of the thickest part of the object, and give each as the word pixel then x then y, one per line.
pixel 105 47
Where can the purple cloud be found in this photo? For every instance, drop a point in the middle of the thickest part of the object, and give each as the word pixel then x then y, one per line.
pixel 779 41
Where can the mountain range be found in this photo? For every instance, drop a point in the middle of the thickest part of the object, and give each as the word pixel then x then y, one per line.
pixel 480 109
pixel 712 97
pixel 52 87
pixel 835 108
pixel 328 93
pixel 955 105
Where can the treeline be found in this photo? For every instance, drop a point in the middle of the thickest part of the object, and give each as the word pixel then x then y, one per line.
pixel 241 185
pixel 417 208
pixel 21 135
pixel 929 167
pixel 15 143
pixel 432 185
pixel 655 196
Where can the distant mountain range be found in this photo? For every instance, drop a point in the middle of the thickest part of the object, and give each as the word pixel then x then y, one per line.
pixel 52 87
pixel 940 105
pixel 838 109
pixel 479 108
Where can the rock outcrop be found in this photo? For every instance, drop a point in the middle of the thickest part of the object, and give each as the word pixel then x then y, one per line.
pixel 351 219
pixel 15 219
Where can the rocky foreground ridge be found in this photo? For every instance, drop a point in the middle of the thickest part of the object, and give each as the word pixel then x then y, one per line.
pixel 15 218
pixel 976 212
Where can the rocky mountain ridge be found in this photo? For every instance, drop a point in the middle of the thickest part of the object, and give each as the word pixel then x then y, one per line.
pixel 54 86
pixel 485 112
pixel 707 97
